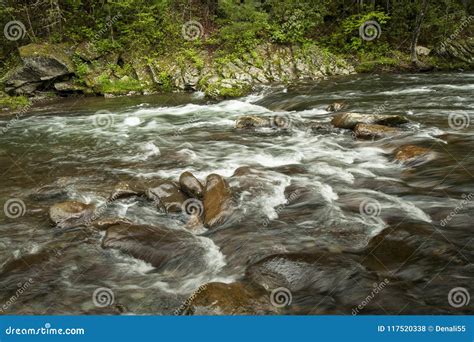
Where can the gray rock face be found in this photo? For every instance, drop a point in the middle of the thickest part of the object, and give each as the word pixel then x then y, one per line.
pixel 42 63
pixel 350 120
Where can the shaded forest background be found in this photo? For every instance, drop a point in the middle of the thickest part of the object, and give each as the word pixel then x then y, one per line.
pixel 233 27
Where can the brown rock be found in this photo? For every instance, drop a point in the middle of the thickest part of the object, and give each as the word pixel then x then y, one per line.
pixel 71 214
pixel 174 249
pixel 124 190
pixel 365 131
pixel 336 107
pixel 350 120
pixel 252 121
pixel 226 299
pixel 167 195
pixel 410 153
pixel 190 185
pixel 217 201
pixel 103 224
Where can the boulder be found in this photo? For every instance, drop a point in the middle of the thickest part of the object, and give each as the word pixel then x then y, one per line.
pixel 408 154
pixel 227 299
pixel 350 120
pixel 190 185
pixel 336 107
pixel 173 250
pixel 42 63
pixel 124 190
pixel 365 131
pixel 70 214
pixel 167 195
pixel 218 204
pixel 252 121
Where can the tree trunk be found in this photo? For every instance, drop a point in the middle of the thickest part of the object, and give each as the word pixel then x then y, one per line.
pixel 416 32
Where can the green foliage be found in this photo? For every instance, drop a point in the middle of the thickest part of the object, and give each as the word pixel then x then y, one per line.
pixel 120 87
pixel 348 39
pixel 13 102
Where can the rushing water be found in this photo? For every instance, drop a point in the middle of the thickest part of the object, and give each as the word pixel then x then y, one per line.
pixel 368 218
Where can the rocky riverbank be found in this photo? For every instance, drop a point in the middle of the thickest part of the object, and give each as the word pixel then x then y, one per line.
pixel 48 70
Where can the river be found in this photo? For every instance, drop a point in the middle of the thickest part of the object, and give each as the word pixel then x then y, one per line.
pixel 364 219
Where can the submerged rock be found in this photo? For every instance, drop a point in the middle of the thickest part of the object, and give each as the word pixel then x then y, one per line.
pixel 252 121
pixel 103 224
pixel 350 120
pixel 71 214
pixel 365 131
pixel 217 201
pixel 409 154
pixel 190 185
pixel 336 107
pixel 175 250
pixel 167 195
pixel 227 299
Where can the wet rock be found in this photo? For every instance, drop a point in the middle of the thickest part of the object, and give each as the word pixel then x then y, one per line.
pixel 217 201
pixel 365 131
pixel 336 107
pixel 409 154
pixel 227 299
pixel 322 128
pixel 190 185
pixel 71 214
pixel 252 121
pixel 312 282
pixel 350 120
pixel 103 224
pixel 174 250
pixel 124 190
pixel 167 195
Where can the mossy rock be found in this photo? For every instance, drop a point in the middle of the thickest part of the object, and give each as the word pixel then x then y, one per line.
pixel 57 52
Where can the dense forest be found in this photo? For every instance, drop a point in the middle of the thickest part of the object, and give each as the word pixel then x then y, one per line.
pixel 229 29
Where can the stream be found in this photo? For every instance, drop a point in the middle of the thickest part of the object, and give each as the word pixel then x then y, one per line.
pixel 349 217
